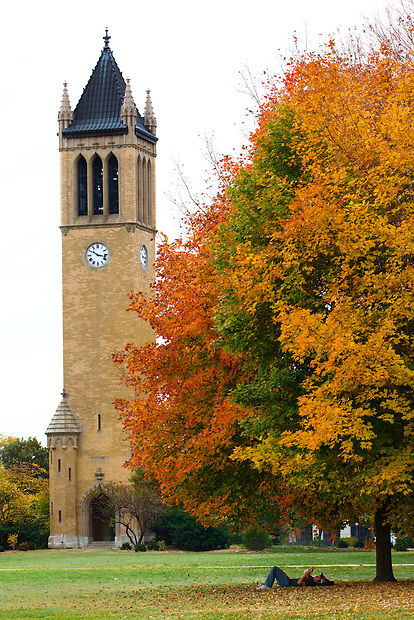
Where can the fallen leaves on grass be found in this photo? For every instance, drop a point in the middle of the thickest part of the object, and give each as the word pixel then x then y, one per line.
pixel 343 600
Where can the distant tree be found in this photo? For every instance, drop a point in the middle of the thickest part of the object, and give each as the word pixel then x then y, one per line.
pixel 24 496
pixel 16 451
pixel 13 507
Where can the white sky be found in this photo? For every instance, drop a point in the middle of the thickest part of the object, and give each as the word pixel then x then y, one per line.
pixel 189 54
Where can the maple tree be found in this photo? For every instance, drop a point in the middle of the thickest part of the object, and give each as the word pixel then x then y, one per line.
pixel 283 373
pixel 333 268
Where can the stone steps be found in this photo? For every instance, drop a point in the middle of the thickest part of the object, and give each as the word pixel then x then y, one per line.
pixel 101 544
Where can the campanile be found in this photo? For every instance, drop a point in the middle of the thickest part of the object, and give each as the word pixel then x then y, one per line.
pixel 108 218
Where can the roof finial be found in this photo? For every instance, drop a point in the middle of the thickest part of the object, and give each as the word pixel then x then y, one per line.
pixel 106 38
pixel 65 111
pixel 128 108
pixel 150 121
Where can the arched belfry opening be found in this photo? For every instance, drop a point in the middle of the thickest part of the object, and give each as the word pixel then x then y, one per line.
pixel 101 518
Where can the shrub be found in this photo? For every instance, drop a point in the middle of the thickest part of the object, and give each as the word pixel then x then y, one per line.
pixel 23 546
pixel 153 546
pixel 256 540
pixel 351 540
pixel 409 541
pixel 359 543
pixel 342 544
pixel 161 545
pixel 140 547
pixel 12 540
pixel 183 531
pixel 32 546
pixel 26 532
pixel 126 546
pixel 1 549
pixel 401 544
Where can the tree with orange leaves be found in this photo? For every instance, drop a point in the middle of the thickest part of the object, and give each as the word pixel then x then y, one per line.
pixel 283 373
pixel 331 273
pixel 182 425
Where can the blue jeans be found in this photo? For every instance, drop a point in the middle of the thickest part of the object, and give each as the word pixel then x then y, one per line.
pixel 280 576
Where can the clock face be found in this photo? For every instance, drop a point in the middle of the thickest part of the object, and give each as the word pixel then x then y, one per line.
pixel 143 256
pixel 97 255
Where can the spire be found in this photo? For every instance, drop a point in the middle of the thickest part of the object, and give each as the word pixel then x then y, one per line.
pixel 150 121
pixel 105 102
pixel 64 428
pixel 128 109
pixel 65 111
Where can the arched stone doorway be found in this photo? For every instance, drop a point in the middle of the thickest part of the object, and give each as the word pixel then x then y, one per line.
pixel 102 518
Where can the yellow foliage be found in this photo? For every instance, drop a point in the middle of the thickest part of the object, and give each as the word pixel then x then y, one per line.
pixel 12 540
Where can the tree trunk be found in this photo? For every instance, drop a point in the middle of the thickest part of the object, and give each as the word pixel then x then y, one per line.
pixel 142 534
pixel 383 544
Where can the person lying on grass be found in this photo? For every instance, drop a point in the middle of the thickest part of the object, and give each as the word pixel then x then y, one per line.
pixel 284 581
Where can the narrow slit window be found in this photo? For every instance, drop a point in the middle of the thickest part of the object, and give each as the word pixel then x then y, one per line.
pixel 97 180
pixel 82 187
pixel 59 465
pixel 113 200
pixel 99 423
pixel 60 516
pixel 69 473
pixel 51 508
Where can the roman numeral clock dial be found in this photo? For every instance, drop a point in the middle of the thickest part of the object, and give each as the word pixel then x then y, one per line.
pixel 97 255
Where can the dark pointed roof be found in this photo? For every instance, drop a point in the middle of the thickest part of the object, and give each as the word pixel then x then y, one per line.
pixel 99 109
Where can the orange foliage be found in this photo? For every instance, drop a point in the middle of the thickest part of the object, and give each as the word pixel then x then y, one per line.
pixel 337 273
pixel 181 425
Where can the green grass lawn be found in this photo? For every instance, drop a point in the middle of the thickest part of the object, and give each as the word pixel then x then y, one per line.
pixel 218 585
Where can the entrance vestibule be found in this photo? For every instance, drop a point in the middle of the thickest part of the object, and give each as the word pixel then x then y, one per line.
pixel 101 511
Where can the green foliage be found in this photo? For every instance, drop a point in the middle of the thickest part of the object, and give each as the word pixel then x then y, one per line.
pixel 350 540
pixel 410 542
pixel 256 540
pixel 31 451
pixel 126 546
pixel 401 544
pixel 182 531
pixel 35 535
pixel 156 545
pixel 140 547
pixel 342 543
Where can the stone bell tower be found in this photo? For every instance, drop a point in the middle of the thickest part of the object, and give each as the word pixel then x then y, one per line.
pixel 108 218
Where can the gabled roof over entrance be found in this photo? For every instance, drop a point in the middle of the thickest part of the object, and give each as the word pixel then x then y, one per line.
pixel 99 109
